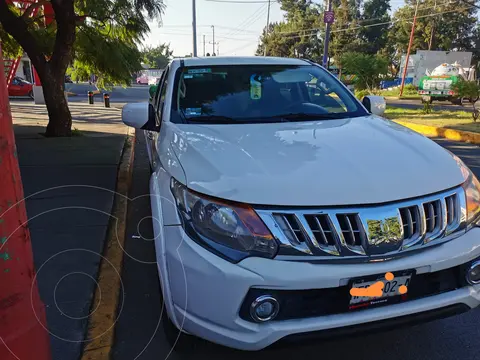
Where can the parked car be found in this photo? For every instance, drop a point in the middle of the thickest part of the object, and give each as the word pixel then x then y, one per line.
pixel 142 79
pixel 20 87
pixel 278 197
pixel 153 80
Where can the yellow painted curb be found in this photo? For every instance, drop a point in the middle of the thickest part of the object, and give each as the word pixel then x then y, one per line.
pixel 101 325
pixel 432 131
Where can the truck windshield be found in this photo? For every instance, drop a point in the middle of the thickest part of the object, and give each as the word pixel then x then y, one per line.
pixel 261 93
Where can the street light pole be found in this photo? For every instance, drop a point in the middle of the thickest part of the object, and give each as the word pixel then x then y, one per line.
pixel 203 44
pixel 213 42
pixel 194 26
pixel 327 37
pixel 266 29
pixel 409 48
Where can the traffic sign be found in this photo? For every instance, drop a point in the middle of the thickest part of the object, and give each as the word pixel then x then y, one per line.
pixel 328 17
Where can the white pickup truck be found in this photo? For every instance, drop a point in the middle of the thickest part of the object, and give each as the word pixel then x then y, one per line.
pixel 285 207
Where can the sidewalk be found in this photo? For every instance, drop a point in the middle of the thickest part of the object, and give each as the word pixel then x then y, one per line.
pixel 69 184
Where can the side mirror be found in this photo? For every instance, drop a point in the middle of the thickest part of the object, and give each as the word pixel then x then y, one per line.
pixel 140 116
pixel 375 105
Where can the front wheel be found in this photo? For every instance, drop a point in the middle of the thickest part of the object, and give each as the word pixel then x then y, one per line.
pixel 456 101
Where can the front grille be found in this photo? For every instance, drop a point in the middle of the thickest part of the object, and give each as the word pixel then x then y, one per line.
pixel 322 229
pixel 433 216
pixel 411 222
pixel 367 231
pixel 351 228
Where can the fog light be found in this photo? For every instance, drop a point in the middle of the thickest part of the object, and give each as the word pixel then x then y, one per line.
pixel 264 308
pixel 473 274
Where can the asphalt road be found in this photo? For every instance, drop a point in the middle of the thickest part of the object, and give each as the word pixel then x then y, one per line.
pixel 118 94
pixel 139 334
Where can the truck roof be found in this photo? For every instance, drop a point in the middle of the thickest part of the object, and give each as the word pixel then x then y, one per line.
pixel 239 60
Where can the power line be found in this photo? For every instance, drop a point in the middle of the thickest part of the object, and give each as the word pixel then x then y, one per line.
pixel 376 24
pixel 358 22
pixel 249 20
pixel 237 49
pixel 239 1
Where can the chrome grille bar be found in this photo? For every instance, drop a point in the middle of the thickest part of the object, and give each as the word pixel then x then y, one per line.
pixel 347 232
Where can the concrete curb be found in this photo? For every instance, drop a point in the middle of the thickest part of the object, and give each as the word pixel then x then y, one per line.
pixel 432 131
pixel 101 327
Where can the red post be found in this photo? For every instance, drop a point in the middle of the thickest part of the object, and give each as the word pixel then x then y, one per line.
pixel 23 333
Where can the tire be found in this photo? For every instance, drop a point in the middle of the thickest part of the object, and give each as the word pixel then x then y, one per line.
pixel 456 101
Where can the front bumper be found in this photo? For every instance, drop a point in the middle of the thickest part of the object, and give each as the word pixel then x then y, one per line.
pixel 207 292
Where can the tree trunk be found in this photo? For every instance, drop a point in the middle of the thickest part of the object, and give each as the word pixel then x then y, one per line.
pixel 60 119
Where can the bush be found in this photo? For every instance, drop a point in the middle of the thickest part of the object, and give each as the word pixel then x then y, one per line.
pixel 360 94
pixel 427 108
pixel 369 69
pixel 410 89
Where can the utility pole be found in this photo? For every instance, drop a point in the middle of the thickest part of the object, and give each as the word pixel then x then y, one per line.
pixel 213 42
pixel 433 27
pixel 328 19
pixel 194 26
pixel 203 44
pixel 266 29
pixel 409 48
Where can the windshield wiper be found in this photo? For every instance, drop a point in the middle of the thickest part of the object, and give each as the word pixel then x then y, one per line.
pixel 308 116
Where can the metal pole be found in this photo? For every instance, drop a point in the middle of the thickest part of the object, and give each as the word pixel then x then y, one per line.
pixel 194 26
pixel 203 45
pixel 266 29
pixel 327 38
pixel 408 50
pixel 213 42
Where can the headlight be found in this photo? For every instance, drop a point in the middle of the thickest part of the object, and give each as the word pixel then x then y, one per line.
pixel 472 193
pixel 232 230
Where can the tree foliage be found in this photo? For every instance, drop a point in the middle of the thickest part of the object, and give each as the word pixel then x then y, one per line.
pixel 157 57
pixel 369 69
pixel 298 35
pixel 469 90
pixel 95 36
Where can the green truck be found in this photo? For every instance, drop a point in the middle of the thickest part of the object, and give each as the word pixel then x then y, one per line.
pixel 437 85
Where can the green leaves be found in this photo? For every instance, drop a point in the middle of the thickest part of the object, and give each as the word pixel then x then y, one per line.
pixel 368 68
pixel 157 57
pixel 299 35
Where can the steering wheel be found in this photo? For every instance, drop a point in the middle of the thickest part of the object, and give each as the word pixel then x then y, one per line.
pixel 306 107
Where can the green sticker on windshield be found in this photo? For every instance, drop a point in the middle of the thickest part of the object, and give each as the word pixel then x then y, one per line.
pixel 199 71
pixel 255 87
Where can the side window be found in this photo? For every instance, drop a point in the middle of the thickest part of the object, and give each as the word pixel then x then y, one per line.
pixel 159 88
pixel 162 90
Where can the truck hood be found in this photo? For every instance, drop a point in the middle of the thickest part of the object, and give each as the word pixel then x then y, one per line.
pixel 354 161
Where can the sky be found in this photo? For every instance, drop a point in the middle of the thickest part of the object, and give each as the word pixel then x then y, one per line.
pixel 237 26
